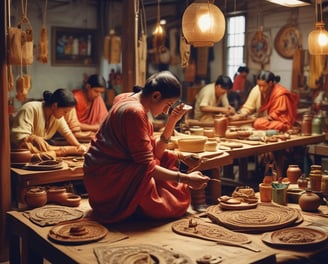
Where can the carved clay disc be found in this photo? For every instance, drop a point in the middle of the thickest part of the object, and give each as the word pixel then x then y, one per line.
pixel 77 232
pixel 139 254
pixel 53 214
pixel 295 236
pixel 265 217
pixel 198 228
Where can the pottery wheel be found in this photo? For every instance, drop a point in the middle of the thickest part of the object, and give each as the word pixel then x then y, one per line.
pixel 53 214
pixel 263 218
pixel 134 254
pixel 295 236
pixel 198 228
pixel 77 232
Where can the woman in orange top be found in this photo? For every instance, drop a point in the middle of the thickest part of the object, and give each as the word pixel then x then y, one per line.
pixel 90 108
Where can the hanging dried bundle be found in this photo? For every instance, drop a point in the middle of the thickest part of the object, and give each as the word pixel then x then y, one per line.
pixel 43 38
pixel 43 46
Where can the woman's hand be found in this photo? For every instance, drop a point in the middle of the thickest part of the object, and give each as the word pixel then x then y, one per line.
pixel 81 149
pixel 179 111
pixel 197 180
pixel 38 142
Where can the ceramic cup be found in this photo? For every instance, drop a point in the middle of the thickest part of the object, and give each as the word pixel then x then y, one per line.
pixel 279 193
pixel 265 192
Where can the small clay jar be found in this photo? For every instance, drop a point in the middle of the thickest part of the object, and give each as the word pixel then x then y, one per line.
pixel 36 197
pixel 220 126
pixel 309 201
pixel 56 194
pixel 293 173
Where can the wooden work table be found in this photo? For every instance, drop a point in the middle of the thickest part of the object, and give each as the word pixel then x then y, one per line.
pixel 277 148
pixel 22 179
pixel 34 244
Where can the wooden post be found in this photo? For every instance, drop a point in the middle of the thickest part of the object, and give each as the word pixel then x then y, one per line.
pixel 128 46
pixel 5 182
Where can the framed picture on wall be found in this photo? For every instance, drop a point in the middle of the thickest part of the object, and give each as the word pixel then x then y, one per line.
pixel 73 47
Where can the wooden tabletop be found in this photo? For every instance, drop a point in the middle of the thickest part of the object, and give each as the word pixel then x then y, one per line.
pixel 157 233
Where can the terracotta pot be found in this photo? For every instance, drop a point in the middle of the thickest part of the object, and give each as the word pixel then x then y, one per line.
pixel 20 156
pixel 293 173
pixel 36 197
pixel 309 201
pixel 56 194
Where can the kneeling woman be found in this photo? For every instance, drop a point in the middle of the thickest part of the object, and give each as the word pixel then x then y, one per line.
pixel 127 170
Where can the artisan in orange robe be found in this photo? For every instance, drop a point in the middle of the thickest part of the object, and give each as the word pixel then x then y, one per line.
pixel 278 105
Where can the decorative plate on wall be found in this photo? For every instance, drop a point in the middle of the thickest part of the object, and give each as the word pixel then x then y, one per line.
pixel 288 39
pixel 260 47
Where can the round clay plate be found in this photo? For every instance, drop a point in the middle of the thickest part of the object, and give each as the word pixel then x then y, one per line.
pixel 45 165
pixel 295 236
pixel 262 218
pixel 77 232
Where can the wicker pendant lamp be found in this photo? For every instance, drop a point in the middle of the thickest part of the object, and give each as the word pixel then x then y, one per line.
pixel 318 38
pixel 203 24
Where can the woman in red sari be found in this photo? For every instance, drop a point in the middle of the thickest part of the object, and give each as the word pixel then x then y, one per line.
pixel 278 105
pixel 127 170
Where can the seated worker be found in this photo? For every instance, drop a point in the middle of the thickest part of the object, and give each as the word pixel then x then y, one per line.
pixel 37 121
pixel 212 99
pixel 90 107
pixel 276 106
pixel 240 87
pixel 127 171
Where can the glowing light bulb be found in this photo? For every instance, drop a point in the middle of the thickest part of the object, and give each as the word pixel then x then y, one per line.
pixel 322 39
pixel 205 22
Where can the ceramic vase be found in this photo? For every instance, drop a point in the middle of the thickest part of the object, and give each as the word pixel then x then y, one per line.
pixel 220 126
pixel 309 201
pixel 293 173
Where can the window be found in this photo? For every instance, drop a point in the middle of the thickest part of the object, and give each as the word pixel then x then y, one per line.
pixel 236 27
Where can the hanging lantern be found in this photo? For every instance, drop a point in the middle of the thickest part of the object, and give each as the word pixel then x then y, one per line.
pixel 318 38
pixel 203 24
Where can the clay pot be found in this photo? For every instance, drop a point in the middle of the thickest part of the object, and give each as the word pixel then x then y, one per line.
pixel 221 125
pixel 309 201
pixel 36 197
pixel 56 194
pixel 20 156
pixel 293 173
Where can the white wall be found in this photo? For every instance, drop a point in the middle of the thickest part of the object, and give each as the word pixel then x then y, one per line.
pixel 273 22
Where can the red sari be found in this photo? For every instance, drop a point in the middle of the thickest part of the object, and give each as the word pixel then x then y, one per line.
pixel 93 114
pixel 281 108
pixel 119 165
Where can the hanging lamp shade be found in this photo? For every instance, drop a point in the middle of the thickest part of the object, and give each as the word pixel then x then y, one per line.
pixel 203 24
pixel 318 40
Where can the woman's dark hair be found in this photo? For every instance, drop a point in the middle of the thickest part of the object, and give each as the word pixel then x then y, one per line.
pixel 96 80
pixel 224 81
pixel 268 77
pixel 243 69
pixel 164 82
pixel 63 98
